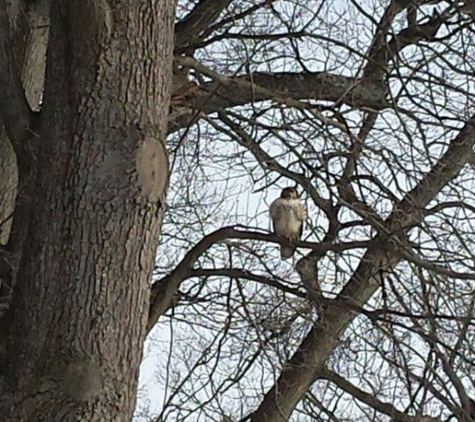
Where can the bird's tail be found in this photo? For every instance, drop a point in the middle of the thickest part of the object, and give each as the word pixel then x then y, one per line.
pixel 286 252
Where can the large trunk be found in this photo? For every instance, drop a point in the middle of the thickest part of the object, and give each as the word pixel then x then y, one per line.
pixel 77 320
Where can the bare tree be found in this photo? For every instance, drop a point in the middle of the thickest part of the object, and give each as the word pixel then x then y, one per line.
pixel 366 107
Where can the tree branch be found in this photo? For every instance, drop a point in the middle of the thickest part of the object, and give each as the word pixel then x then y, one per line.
pixel 188 30
pixel 14 109
pixel 382 51
pixel 306 364
pixel 227 92
pixel 246 275
pixel 34 63
pixel 363 93
pixel 371 400
pixel 164 290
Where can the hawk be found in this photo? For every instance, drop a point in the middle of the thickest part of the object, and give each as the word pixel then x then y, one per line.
pixel 287 214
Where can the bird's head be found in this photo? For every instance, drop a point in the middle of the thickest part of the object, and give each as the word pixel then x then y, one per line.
pixel 289 193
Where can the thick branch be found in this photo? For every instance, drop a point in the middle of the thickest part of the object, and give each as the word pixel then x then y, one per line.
pixel 382 50
pixel 204 14
pixel 378 47
pixel 408 36
pixel 14 109
pixel 307 363
pixel 231 92
pixel 34 63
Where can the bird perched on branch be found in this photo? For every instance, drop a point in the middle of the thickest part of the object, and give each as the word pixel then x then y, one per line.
pixel 287 214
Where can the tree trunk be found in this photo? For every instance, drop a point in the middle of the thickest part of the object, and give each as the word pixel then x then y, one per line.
pixel 77 320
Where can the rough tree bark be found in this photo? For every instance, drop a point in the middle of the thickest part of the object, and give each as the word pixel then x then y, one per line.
pixel 77 320
pixel 8 177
